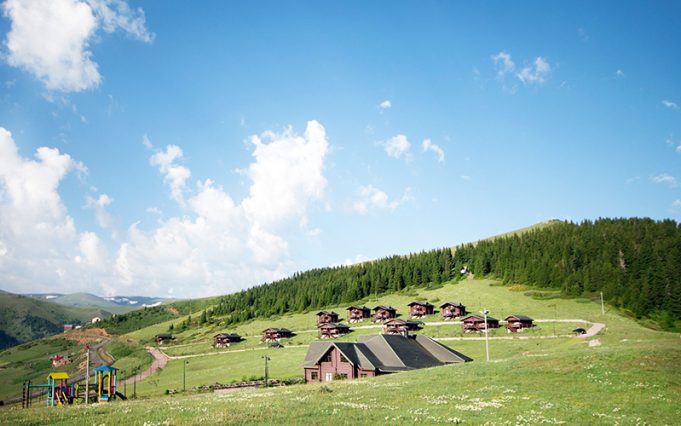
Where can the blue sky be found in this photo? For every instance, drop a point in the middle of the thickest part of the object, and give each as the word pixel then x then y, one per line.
pixel 176 149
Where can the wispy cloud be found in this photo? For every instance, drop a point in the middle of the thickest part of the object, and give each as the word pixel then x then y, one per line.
pixel 386 104
pixel 619 74
pixel 430 146
pixel 535 73
pixel 665 179
pixel 670 104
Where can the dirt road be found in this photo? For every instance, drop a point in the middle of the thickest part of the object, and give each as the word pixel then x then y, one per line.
pixel 160 361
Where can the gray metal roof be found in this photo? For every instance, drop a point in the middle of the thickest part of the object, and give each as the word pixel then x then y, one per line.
pixel 520 317
pixel 419 303
pixel 453 304
pixel 481 318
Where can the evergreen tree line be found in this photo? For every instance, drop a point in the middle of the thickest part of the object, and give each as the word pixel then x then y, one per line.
pixel 636 263
pixel 321 287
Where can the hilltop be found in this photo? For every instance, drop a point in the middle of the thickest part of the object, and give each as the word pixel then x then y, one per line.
pixel 23 319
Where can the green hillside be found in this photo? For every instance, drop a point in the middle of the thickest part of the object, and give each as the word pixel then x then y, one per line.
pixel 23 319
pixel 628 375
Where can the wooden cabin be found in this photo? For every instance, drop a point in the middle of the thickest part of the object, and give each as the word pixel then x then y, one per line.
pixel 332 330
pixel 451 310
pixel 326 317
pixel 420 309
pixel 476 323
pixel 516 323
pixel 398 326
pixel 384 313
pixel 358 313
pixel 272 335
pixel 375 354
pixel 164 337
pixel 223 340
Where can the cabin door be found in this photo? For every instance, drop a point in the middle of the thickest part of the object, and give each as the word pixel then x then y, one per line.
pixel 328 377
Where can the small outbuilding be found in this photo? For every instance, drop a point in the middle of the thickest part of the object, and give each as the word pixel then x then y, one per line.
pixel 451 310
pixel 224 340
pixel 516 323
pixel 164 337
pixel 332 330
pixel 272 335
pixel 326 317
pixel 358 313
pixel 420 309
pixel 476 323
pixel 398 326
pixel 384 313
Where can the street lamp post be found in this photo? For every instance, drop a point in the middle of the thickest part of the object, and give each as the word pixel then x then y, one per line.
pixel 184 375
pixel 125 383
pixel 484 312
pixel 266 358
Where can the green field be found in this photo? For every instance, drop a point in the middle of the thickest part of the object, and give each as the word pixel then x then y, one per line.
pixel 31 361
pixel 632 377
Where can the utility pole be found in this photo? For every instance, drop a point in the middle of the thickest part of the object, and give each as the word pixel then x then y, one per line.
pixel 134 383
pixel 602 305
pixel 184 375
pixel 484 313
pixel 87 373
pixel 266 370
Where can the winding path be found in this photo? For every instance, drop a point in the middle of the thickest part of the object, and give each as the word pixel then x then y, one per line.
pixel 160 361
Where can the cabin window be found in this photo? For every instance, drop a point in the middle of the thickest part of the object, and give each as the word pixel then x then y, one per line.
pixel 327 357
pixel 328 377
pixel 314 375
pixel 343 358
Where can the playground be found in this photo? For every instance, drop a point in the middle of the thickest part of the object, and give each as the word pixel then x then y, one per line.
pixel 58 391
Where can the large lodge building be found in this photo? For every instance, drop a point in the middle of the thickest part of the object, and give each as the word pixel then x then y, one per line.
pixel 375 354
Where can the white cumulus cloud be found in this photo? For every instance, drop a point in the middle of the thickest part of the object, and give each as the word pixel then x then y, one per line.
pixel 386 104
pixel 372 198
pixel 51 38
pixel 428 145
pixel 99 204
pixel 397 146
pixel 175 175
pixel 504 64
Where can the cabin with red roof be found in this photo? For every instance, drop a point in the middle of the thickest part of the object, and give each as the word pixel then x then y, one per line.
pixel 384 313
pixel 451 310
pixel 332 330
pixel 420 309
pixel 358 313
pixel 476 323
pixel 374 355
pixel 516 323
pixel 326 317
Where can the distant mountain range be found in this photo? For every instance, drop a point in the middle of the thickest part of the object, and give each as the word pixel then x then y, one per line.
pixel 32 316
pixel 116 304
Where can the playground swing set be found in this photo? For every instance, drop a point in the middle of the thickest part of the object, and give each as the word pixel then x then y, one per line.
pixel 60 392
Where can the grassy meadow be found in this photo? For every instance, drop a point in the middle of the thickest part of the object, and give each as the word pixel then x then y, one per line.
pixel 632 377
